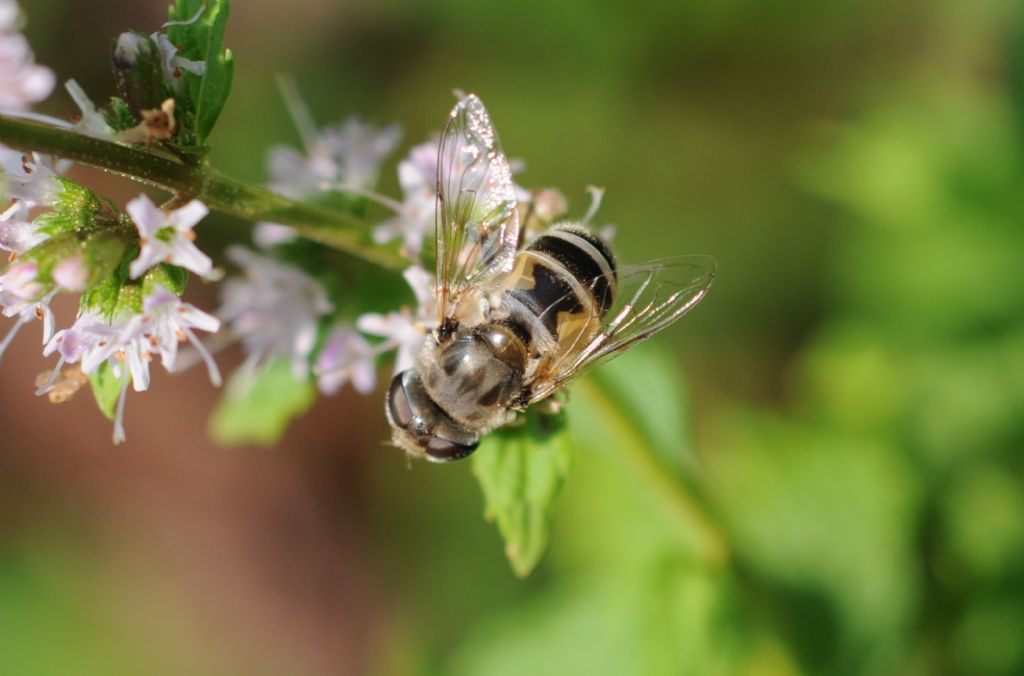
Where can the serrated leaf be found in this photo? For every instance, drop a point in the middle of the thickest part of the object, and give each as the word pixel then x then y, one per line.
pixel 118 115
pixel 75 207
pixel 106 389
pixel 103 296
pixel 521 471
pixel 203 40
pixel 256 409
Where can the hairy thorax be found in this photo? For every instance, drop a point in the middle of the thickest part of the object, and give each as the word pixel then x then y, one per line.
pixel 476 374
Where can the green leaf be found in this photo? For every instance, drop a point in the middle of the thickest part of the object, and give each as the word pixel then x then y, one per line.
pixel 648 386
pixel 256 409
pixel 75 207
pixel 203 40
pixel 104 296
pixel 171 277
pixel 106 388
pixel 663 619
pixel 118 115
pixel 640 424
pixel 521 472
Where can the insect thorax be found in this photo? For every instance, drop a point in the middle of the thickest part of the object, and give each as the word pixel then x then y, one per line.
pixel 476 374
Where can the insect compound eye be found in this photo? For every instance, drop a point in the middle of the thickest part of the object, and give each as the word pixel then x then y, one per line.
pixel 427 429
pixel 443 450
pixel 399 407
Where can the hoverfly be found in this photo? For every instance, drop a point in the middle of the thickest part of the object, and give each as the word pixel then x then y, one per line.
pixel 515 322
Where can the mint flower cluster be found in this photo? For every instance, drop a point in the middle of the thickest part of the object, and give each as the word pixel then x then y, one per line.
pixel 286 298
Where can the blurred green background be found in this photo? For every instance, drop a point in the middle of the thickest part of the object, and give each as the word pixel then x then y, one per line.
pixel 854 382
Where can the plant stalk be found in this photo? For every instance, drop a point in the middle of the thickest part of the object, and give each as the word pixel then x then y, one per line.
pixel 683 500
pixel 328 226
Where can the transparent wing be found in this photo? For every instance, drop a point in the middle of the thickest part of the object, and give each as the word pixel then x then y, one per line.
pixel 477 222
pixel 650 297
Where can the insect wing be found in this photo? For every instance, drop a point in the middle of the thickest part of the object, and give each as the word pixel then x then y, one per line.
pixel 651 296
pixel 477 222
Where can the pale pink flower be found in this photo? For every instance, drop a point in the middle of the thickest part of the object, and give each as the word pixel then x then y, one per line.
pixel 414 215
pixel 173 65
pixel 71 274
pixel 405 330
pixel 24 297
pixel 167 321
pixel 27 177
pixel 17 234
pixel 92 122
pixel 10 15
pixel 269 235
pixel 167 237
pixel 345 156
pixel 345 357
pixel 275 308
pixel 22 81
pixel 129 342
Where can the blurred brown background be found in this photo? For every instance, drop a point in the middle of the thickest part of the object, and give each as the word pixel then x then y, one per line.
pixel 719 128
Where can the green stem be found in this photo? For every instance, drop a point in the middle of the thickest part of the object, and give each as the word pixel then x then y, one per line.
pixel 331 227
pixel 683 500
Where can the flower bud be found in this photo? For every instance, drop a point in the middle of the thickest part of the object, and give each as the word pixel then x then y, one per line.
pixel 138 72
pixel 51 252
pixel 102 254
pixel 71 274
pixel 549 204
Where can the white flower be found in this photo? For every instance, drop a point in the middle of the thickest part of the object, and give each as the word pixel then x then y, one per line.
pixel 360 148
pixel 18 235
pixel 406 329
pixel 28 181
pixel 71 274
pixel 346 356
pixel 167 237
pixel 120 342
pixel 93 341
pixel 129 47
pixel 22 81
pixel 24 297
pixel 74 342
pixel 129 342
pixel 269 235
pixel 27 177
pixel 173 64
pixel 345 156
pixel 549 204
pixel 19 287
pixel 167 321
pixel 274 308
pixel 10 15
pixel 92 123
pixel 414 218
pixel 415 214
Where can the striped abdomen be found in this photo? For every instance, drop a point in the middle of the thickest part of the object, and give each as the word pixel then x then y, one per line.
pixel 560 288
